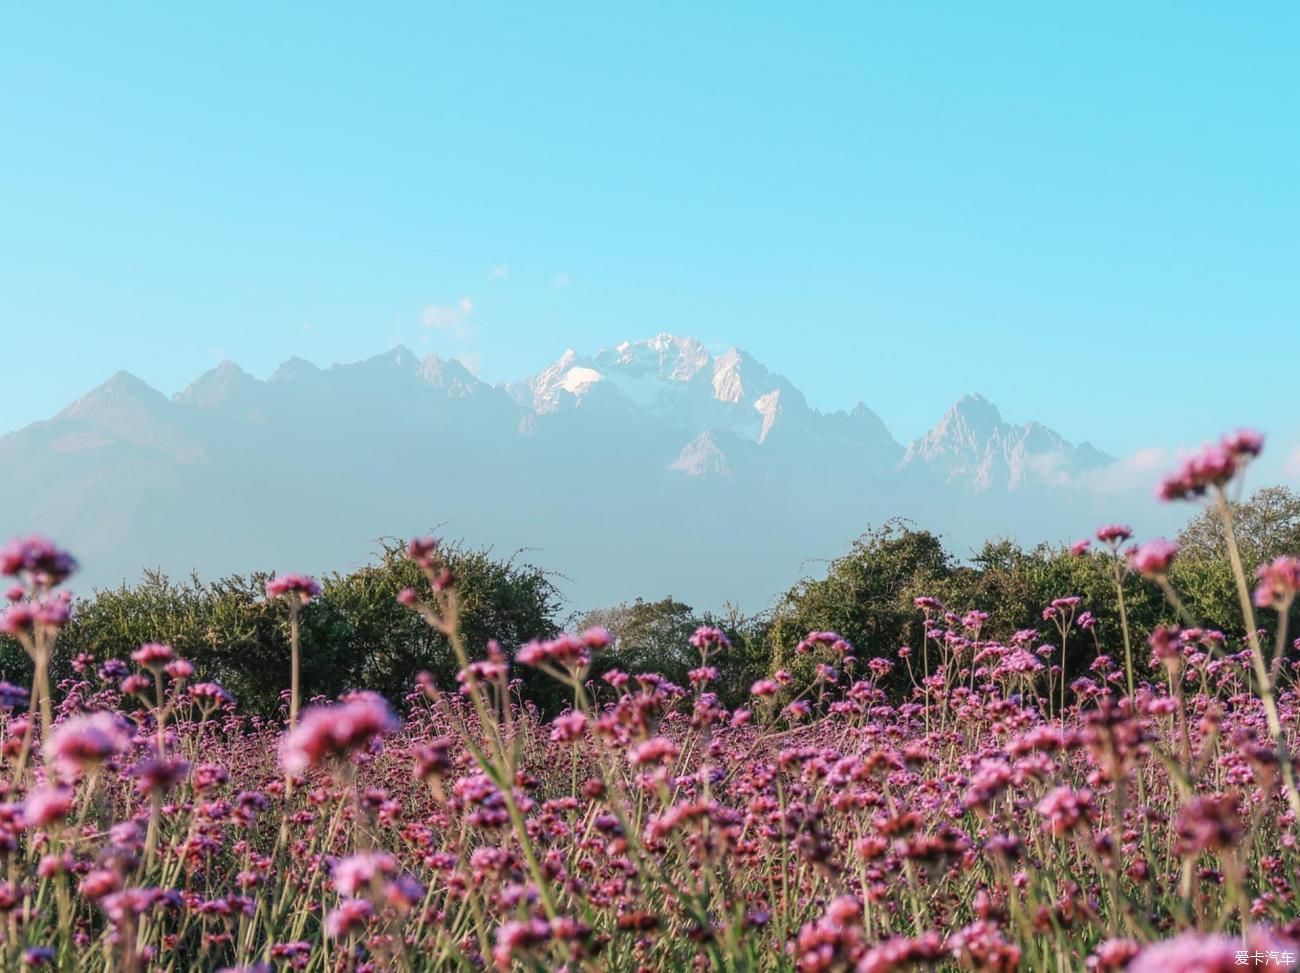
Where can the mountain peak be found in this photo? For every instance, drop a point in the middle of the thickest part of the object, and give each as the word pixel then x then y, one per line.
pixel 974 408
pixel 669 356
pixel 216 385
pixel 449 374
pixel 294 368
pixel 972 444
pixel 117 390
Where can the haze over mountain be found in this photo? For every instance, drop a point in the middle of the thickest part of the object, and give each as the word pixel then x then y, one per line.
pixel 646 468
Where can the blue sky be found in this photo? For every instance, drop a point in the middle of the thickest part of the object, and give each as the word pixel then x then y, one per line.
pixel 1088 213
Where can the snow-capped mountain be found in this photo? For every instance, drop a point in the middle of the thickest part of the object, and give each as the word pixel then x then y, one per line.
pixel 615 469
pixel 972 447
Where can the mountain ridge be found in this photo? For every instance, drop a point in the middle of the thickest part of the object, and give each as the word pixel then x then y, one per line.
pixel 627 456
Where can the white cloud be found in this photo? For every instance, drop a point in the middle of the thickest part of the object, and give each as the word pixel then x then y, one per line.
pixel 499 272
pixel 1137 472
pixel 450 318
pixel 1292 465
pixel 561 281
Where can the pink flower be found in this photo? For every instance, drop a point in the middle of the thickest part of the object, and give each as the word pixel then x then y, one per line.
pixel 423 551
pixel 1278 583
pixel 300 586
pixel 1080 548
pixel 1153 558
pixel 37 559
pixel 153 656
pixel 211 693
pixel 656 750
pixel 330 732
pixel 1213 466
pixel 351 916
pixel 180 669
pixel 136 684
pixel 83 742
pixel 17 620
pixel 357 874
pixel 568 726
pixel 1199 952
pixel 707 637
pixel 159 776
pixel 1065 809
pixel 1245 444
pixel 832 640
pixel 53 610
pixel 47 805
pixel 1114 534
pixel 565 651
pixel 597 638
pixel 515 936
pixel 1211 822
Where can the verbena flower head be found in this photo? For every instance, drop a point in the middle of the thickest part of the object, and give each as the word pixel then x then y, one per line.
pixel 17 620
pixel 1065 809
pixel 180 669
pixel 349 918
pixel 1114 534
pixel 830 640
pixel 565 651
pixel 1213 466
pixel 331 732
pixel 11 696
pixel 83 742
pixel 423 551
pixel 47 805
pixel 153 656
pixel 359 874
pixel 1201 952
pixel 211 693
pixel 1152 559
pixel 1244 444
pixel 708 638
pixel 597 637
pixel 300 587
pixel 1209 823
pixel 1279 582
pixel 37 560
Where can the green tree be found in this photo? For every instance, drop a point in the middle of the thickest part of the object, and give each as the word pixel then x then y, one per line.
pixel 354 635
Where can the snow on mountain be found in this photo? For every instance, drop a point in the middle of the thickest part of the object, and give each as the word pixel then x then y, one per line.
pixel 607 465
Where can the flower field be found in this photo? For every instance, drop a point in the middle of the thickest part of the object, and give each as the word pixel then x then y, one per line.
pixel 1143 817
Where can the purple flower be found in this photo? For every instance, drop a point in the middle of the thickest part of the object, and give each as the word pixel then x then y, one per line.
pixel 38 560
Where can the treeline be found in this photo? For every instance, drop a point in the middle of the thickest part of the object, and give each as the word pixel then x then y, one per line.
pixel 357 635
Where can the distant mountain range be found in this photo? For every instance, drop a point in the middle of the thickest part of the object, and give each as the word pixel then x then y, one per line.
pixel 649 468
